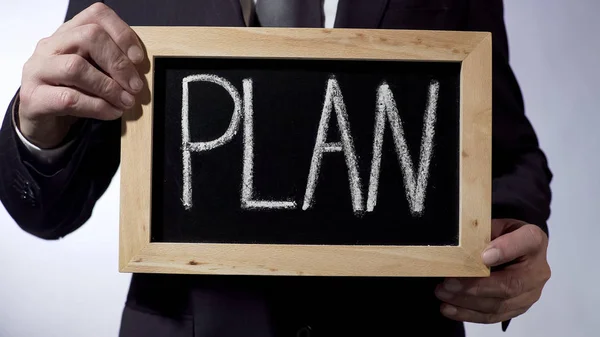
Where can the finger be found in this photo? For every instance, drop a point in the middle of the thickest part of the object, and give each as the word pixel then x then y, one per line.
pixel 501 284
pixel 526 240
pixel 488 305
pixel 91 41
pixel 74 71
pixel 467 315
pixel 117 29
pixel 63 101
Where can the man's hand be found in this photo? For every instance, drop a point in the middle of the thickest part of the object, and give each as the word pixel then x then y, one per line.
pixel 518 250
pixel 85 69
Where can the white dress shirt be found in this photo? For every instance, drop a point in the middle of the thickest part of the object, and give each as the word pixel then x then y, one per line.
pixel 48 156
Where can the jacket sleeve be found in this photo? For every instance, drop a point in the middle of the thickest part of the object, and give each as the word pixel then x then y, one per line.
pixel 51 201
pixel 521 176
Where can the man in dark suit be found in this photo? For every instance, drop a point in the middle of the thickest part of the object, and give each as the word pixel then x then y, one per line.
pixel 60 149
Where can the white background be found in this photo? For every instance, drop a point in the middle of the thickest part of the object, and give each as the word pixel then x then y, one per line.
pixel 71 287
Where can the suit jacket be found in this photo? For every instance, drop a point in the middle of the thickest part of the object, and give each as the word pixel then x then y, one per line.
pixel 52 201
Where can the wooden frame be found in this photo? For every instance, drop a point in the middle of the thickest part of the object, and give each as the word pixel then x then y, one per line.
pixel 472 49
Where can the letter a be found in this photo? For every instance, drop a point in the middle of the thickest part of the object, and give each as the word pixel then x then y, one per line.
pixel 334 100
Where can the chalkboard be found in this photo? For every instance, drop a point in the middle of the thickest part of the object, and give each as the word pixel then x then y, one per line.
pixel 289 99
pixel 264 159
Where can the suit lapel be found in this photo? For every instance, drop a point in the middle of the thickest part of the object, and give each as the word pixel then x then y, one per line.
pixel 360 13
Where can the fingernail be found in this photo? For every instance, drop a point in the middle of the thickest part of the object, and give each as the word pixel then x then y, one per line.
pixel 449 310
pixel 127 99
pixel 491 256
pixel 452 285
pixel 118 113
pixel 136 84
pixel 443 295
pixel 135 54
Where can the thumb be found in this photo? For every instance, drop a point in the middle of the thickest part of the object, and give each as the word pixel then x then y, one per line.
pixel 526 240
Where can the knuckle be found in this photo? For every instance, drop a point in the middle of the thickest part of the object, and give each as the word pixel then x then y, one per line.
pixel 535 234
pixel 67 99
pixel 476 289
pixel 42 43
pixel 99 11
pixel 74 65
pixel 125 35
pixel 98 8
pixel 505 290
pixel 28 69
pixel 92 32
pixel 547 273
pixel 514 286
pixel 121 64
pixel 107 87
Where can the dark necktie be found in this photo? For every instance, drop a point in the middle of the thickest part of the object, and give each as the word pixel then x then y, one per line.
pixel 290 13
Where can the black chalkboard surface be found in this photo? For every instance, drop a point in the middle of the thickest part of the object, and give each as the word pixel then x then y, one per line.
pixel 288 99
pixel 323 152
